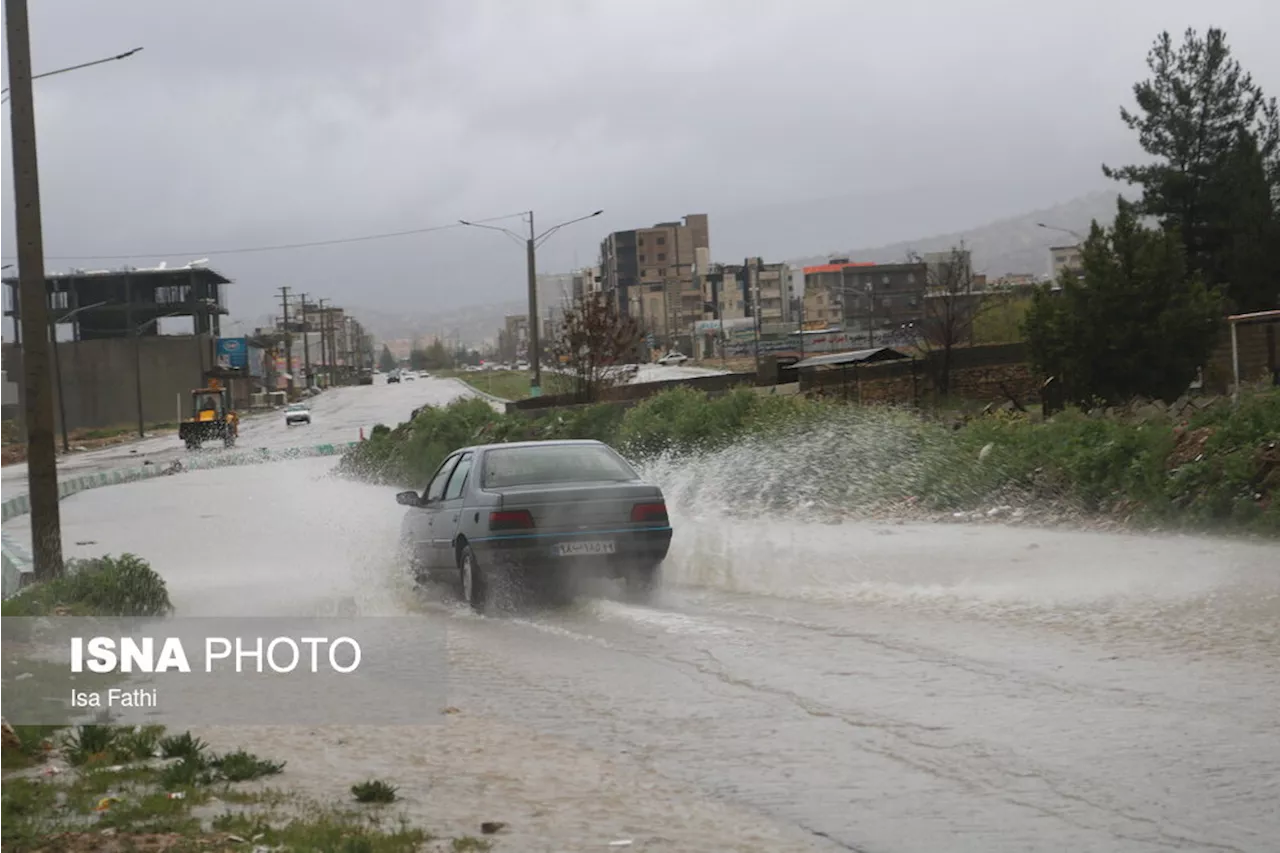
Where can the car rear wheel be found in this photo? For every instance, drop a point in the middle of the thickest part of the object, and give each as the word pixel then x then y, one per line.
pixel 475 586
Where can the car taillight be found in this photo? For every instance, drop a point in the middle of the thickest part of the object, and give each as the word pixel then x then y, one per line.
pixel 655 512
pixel 511 520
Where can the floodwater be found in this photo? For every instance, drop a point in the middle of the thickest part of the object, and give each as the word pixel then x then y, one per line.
pixel 799 684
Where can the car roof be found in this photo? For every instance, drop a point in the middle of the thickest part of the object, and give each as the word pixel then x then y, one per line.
pixel 560 442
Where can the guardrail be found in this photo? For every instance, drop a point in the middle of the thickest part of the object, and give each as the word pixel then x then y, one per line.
pixel 16 560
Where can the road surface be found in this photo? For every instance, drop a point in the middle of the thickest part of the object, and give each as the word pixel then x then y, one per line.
pixel 336 416
pixel 809 686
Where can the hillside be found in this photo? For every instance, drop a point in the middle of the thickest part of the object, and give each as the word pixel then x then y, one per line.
pixel 1014 245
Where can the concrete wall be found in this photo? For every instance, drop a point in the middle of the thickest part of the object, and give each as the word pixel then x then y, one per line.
pixel 98 378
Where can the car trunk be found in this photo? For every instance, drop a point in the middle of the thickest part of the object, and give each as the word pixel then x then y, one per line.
pixel 578 506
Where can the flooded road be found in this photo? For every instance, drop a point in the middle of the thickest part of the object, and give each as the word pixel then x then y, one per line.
pixel 336 416
pixel 873 687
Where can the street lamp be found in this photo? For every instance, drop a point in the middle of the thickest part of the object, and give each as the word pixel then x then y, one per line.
pixel 42 463
pixel 1075 234
pixel 531 247
pixel 137 363
pixel 57 367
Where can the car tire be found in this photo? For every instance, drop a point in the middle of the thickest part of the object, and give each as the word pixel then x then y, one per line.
pixel 475 584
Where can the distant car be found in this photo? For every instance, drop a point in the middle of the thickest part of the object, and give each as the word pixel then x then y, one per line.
pixel 536 514
pixel 297 413
pixel 424 375
pixel 673 357
pixel 393 376
pixel 407 376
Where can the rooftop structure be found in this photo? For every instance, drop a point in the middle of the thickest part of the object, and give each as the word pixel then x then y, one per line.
pixel 112 303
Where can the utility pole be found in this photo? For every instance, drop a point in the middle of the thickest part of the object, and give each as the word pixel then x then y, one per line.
pixel 306 340
pixel 288 338
pixel 531 249
pixel 324 353
pixel 42 461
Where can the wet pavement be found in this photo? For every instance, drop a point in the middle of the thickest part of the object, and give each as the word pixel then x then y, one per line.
pixel 873 687
pixel 337 416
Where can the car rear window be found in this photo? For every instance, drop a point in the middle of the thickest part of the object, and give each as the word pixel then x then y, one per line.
pixel 531 466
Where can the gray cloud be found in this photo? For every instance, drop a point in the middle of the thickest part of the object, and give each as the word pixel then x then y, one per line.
pixel 250 123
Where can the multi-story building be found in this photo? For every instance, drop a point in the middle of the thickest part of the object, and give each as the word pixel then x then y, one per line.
pixel 733 291
pixel 649 273
pixel 865 298
pixel 1063 258
pixel 824 286
pixel 586 281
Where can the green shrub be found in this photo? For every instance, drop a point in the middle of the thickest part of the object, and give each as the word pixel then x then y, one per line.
pixel 126 586
pixel 788 452
pixel 374 791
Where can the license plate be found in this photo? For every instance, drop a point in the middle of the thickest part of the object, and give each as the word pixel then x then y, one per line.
pixel 574 549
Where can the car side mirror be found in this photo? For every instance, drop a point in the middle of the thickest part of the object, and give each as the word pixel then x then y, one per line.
pixel 409 499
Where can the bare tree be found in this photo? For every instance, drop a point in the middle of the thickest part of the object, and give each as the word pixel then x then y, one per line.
pixel 950 306
pixel 595 343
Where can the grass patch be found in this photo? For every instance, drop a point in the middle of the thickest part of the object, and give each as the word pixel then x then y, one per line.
pixel 374 791
pixel 507 384
pixel 470 844
pixel 241 766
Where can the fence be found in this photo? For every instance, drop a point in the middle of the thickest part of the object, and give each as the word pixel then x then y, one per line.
pixel 17 562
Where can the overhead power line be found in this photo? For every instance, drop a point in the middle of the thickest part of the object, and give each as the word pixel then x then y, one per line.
pixel 244 250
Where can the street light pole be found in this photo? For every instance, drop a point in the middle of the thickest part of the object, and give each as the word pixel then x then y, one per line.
pixel 532 242
pixel 57 369
pixel 531 251
pixel 42 461
pixel 137 365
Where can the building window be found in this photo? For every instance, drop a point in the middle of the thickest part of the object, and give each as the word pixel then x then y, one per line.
pixel 662 241
pixel 911 278
pixel 642 259
pixel 662 256
pixel 640 242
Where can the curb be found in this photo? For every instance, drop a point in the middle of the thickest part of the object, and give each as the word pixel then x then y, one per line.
pixel 16 560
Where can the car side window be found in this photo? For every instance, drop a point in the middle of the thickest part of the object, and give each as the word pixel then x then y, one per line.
pixel 436 490
pixel 458 480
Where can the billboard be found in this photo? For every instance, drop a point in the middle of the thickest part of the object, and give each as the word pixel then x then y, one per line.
pixel 233 353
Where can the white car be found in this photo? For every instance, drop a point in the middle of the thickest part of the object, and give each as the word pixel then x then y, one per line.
pixel 297 413
pixel 673 357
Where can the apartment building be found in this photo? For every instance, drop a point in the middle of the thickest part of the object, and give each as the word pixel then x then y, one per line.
pixel 586 281
pixel 732 291
pixel 1063 258
pixel 865 299
pixel 824 286
pixel 649 273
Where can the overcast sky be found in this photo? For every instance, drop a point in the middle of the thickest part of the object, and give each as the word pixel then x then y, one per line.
pixel 247 123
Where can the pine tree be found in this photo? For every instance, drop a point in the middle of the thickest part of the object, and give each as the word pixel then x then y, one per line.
pixel 1215 179
pixel 1135 323
pixel 386 361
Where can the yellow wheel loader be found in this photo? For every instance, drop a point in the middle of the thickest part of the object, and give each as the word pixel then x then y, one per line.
pixel 212 418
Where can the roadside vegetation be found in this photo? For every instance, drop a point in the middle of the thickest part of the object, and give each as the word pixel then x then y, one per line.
pixel 505 384
pixel 103 787
pixel 114 788
pixel 1204 465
